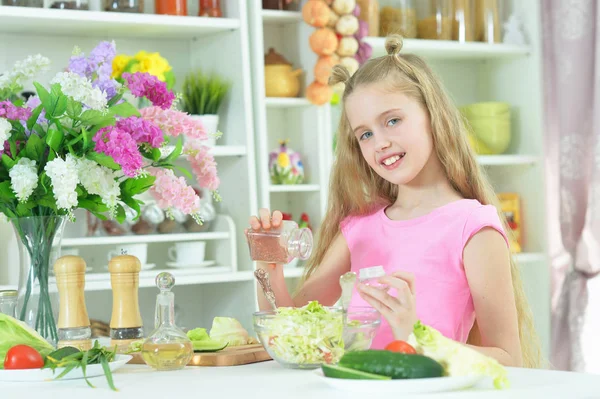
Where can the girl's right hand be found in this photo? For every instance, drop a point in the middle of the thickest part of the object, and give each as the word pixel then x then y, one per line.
pixel 265 221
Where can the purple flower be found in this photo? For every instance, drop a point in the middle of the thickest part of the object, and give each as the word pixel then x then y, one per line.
pixel 10 111
pixel 146 85
pixel 97 67
pixel 121 147
pixel 32 103
pixel 108 86
pixel 103 53
pixel 142 131
pixel 81 66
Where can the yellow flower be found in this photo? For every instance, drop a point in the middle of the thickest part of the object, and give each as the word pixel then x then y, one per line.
pixel 283 160
pixel 140 55
pixel 119 63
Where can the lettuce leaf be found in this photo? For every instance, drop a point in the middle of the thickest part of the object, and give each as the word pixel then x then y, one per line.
pixel 457 359
pixel 228 329
pixel 15 332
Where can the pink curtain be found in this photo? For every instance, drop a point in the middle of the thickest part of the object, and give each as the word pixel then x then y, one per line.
pixel 571 53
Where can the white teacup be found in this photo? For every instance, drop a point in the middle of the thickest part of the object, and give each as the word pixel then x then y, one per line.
pixel 187 252
pixel 140 251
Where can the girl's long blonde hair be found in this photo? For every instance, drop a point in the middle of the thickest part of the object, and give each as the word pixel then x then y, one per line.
pixel 355 189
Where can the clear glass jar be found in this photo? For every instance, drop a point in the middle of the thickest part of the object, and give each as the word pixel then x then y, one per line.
pixel 24 3
pixel 370 275
pixel 487 21
pixel 133 6
pixel 280 245
pixel 398 16
pixel 463 27
pixel 437 24
pixel 8 302
pixel 70 4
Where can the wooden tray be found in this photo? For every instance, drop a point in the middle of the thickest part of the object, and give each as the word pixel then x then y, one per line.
pixel 230 356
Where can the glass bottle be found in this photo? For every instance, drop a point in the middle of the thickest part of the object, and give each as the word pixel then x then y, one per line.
pixel 210 8
pixel 463 27
pixel 132 6
pixel 70 4
pixel 487 21
pixel 437 25
pixel 8 302
pixel 171 7
pixel 370 275
pixel 398 16
pixel 276 4
pixel 280 245
pixel 167 347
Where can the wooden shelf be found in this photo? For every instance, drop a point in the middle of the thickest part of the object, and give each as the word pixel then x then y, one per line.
pixel 286 102
pixel 277 17
pixel 507 160
pixel 149 238
pixel 48 22
pixel 289 188
pixel 451 49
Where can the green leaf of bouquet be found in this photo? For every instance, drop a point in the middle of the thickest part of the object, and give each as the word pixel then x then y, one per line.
pixel 35 147
pixel 132 203
pixel 176 152
pixel 43 95
pixel 133 187
pixel 124 110
pixel 93 203
pixel 34 116
pixel 54 139
pixel 6 192
pixel 74 108
pixel 115 99
pixel 121 214
pixel 8 162
pixel 103 160
pixel 93 117
pixel 182 170
pixel 48 201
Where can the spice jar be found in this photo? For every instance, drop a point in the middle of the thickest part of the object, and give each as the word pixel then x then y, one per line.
pixel 133 6
pixel 171 7
pixel 437 25
pixel 463 26
pixel 370 275
pixel 276 4
pixel 369 12
pixel 210 8
pixel 281 244
pixel 487 21
pixel 70 4
pixel 398 16
pixel 8 302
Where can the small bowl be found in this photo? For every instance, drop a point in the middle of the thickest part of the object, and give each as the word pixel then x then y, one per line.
pixel 360 328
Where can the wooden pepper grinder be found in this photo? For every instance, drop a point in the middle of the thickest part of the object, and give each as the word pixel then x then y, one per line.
pixel 73 321
pixel 126 323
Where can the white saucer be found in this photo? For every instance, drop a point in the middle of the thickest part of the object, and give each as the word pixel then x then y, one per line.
pixel 147 266
pixel 177 265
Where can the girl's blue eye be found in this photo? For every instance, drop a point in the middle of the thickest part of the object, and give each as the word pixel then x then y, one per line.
pixel 392 122
pixel 366 135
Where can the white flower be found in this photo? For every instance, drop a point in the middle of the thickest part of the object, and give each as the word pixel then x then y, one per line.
pixel 24 70
pixel 64 178
pixel 23 178
pixel 99 180
pixel 79 88
pixel 5 128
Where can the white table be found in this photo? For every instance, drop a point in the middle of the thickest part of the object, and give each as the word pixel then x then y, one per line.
pixel 269 380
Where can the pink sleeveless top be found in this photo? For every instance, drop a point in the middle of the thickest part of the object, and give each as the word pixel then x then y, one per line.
pixel 430 247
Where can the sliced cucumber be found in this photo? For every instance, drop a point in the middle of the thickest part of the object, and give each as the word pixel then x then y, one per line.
pixel 334 371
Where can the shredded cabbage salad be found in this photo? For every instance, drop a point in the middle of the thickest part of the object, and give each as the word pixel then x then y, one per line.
pixel 308 335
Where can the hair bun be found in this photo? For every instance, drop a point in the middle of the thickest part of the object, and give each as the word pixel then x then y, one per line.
pixel 393 44
pixel 339 73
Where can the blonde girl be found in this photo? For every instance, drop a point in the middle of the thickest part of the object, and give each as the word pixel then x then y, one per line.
pixel 408 194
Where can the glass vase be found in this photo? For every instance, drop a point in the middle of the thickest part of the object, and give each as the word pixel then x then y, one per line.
pixel 39 239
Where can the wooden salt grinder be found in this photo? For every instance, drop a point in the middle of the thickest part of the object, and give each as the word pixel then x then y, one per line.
pixel 126 323
pixel 73 321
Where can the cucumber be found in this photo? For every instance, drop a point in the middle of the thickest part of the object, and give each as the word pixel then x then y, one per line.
pixel 334 371
pixel 392 364
pixel 208 345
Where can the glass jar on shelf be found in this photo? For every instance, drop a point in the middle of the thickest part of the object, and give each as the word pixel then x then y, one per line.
pixel 8 302
pixel 463 27
pixel 24 3
pixel 437 24
pixel 131 6
pixel 398 16
pixel 70 4
pixel 210 8
pixel 487 21
pixel 170 7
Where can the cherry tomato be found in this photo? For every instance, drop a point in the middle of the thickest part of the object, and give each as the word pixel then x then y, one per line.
pixel 400 346
pixel 23 357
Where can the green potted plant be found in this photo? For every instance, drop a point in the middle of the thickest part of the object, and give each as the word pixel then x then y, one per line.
pixel 202 97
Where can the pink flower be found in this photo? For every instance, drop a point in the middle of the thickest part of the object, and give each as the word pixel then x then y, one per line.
pixel 171 191
pixel 203 165
pixel 142 131
pixel 146 85
pixel 10 111
pixel 175 123
pixel 123 149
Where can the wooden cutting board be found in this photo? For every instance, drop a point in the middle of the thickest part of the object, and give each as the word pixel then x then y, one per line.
pixel 230 356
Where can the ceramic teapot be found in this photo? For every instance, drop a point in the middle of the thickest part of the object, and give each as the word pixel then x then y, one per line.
pixel 280 79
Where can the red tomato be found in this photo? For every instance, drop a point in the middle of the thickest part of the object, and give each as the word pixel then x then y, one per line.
pixel 23 357
pixel 400 346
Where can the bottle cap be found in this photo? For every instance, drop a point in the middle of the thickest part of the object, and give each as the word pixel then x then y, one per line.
pixel 371 272
pixel 69 264
pixel 124 264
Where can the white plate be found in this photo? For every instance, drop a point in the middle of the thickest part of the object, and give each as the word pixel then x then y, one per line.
pixel 398 387
pixel 205 263
pixel 40 375
pixel 147 266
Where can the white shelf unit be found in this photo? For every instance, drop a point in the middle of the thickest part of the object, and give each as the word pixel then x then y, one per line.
pixel 474 72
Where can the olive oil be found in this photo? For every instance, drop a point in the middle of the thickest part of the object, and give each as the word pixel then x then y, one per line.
pixel 164 357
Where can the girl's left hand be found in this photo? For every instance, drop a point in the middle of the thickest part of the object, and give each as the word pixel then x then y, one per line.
pixel 399 311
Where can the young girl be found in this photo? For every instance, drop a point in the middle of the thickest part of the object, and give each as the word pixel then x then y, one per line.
pixel 407 193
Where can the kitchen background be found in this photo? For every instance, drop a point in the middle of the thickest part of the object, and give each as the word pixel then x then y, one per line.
pixel 278 123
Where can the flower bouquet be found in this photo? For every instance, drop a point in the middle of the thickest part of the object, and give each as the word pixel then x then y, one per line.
pixel 79 144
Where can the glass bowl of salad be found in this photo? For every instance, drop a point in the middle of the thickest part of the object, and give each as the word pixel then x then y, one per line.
pixel 314 334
